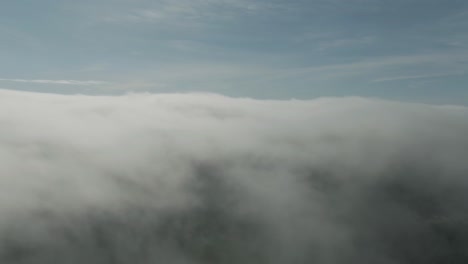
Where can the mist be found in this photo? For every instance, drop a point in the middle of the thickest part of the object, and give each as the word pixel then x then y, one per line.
pixel 204 178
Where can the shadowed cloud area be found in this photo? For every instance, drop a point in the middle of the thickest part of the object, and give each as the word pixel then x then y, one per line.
pixel 203 178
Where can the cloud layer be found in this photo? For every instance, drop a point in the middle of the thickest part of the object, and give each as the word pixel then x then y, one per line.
pixel 69 82
pixel 203 178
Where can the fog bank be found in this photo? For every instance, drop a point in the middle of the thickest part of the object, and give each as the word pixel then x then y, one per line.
pixel 203 178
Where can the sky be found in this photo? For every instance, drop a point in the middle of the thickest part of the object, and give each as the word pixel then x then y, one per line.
pixel 409 50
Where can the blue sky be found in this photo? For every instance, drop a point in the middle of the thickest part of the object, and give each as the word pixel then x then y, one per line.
pixel 412 50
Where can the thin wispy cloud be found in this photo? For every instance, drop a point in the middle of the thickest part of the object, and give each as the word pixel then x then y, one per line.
pixel 363 67
pixel 179 12
pixel 66 82
pixel 421 76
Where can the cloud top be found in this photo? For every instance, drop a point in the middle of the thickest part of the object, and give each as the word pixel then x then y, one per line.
pixel 203 178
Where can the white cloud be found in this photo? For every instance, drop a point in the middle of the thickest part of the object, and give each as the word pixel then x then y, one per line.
pixel 203 178
pixel 68 82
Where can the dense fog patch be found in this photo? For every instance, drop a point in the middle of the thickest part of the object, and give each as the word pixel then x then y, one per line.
pixel 203 178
